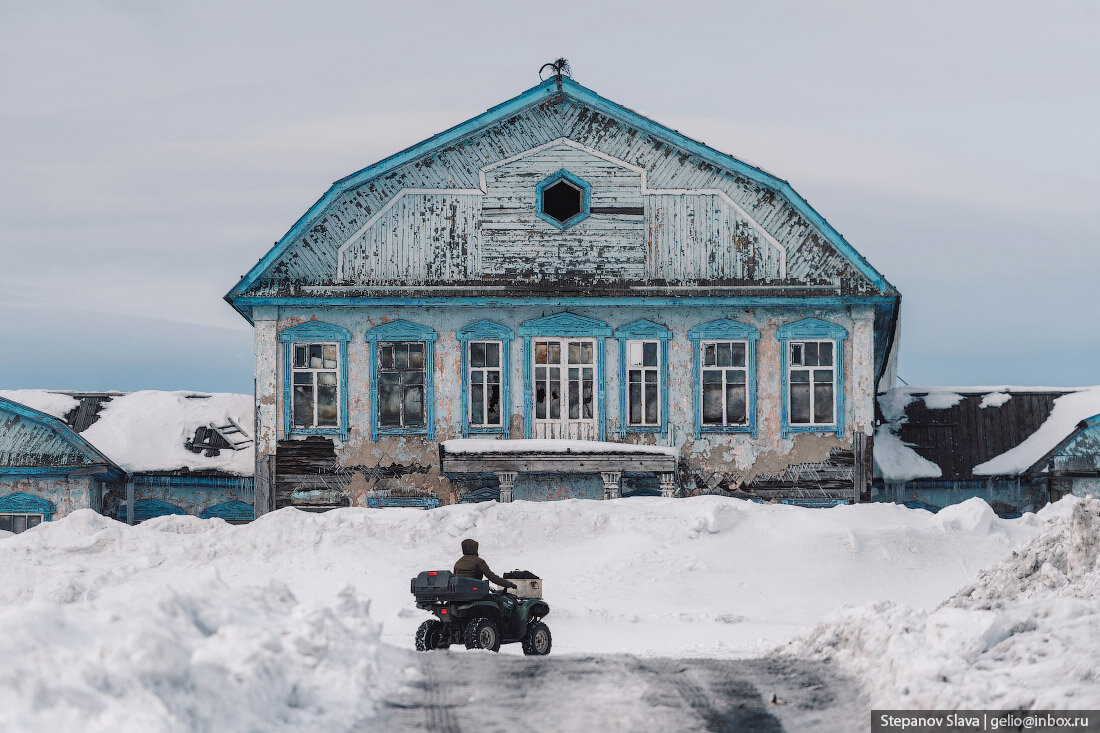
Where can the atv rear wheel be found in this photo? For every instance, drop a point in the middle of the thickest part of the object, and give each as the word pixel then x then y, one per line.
pixel 537 641
pixel 482 633
pixel 429 636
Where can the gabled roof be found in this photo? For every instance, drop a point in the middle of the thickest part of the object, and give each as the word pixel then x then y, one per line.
pixel 972 433
pixel 90 459
pixel 554 88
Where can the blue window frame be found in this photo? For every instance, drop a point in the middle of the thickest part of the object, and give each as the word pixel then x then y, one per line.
pixel 309 392
pixel 148 509
pixel 402 354
pixel 20 511
pixel 236 512
pixel 486 356
pixel 811 367
pixel 562 327
pixel 562 199
pixel 643 377
pixel 723 362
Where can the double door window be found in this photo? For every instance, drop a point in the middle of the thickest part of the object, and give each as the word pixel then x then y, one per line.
pixel 565 385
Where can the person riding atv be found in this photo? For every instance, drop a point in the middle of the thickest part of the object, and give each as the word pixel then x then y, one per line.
pixel 472 566
pixel 468 612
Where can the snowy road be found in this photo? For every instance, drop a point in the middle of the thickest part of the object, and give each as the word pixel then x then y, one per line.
pixel 458 691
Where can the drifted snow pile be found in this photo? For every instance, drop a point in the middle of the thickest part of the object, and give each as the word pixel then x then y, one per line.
pixel 188 624
pixel 1023 635
pixel 194 655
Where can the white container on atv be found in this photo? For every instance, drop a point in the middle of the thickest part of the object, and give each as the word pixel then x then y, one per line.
pixel 526 587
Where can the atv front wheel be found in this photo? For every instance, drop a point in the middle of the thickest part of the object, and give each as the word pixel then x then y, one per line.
pixel 537 640
pixel 482 633
pixel 429 636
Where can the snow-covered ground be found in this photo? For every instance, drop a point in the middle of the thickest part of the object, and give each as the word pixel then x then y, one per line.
pixel 188 624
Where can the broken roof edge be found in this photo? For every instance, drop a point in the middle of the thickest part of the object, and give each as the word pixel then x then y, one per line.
pixel 1065 421
pixel 547 90
pixel 70 436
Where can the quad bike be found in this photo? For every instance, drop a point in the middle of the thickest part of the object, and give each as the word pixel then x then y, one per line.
pixel 467 612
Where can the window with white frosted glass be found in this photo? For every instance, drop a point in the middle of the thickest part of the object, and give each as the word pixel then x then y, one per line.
pixel 812 382
pixel 485 377
pixel 564 379
pixel 316 385
pixel 724 379
pixel 643 396
pixel 401 384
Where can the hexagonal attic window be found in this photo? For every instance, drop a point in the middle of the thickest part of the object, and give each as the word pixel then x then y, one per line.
pixel 562 199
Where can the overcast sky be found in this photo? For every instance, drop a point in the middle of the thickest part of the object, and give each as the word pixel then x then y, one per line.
pixel 152 152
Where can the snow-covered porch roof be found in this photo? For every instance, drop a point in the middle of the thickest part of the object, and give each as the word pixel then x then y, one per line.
pixel 469 455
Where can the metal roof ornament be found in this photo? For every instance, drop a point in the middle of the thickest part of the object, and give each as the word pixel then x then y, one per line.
pixel 560 67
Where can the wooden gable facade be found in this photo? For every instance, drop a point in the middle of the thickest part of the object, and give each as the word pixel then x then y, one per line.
pixel 500 280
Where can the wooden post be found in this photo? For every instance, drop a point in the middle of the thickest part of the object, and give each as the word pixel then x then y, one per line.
pixel 861 471
pixel 264 486
pixel 668 485
pixel 129 502
pixel 507 483
pixel 611 481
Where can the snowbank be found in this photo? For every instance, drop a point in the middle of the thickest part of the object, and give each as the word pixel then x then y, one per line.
pixel 192 654
pixel 1023 635
pixel 1069 410
pixel 184 624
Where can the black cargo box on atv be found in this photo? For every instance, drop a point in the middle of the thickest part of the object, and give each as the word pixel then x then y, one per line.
pixel 443 585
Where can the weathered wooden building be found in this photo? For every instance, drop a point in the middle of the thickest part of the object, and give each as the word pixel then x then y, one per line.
pixel 648 314
pixel 1015 447
pixel 130 456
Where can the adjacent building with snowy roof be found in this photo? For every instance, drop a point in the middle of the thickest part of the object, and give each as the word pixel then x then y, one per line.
pixel 132 456
pixel 1015 447
pixel 563 268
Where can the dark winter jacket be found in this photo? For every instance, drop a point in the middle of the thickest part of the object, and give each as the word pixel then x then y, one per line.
pixel 472 566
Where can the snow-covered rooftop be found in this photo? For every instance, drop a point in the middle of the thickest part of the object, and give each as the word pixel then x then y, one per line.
pixel 1069 410
pixel 147 430
pixel 1051 415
